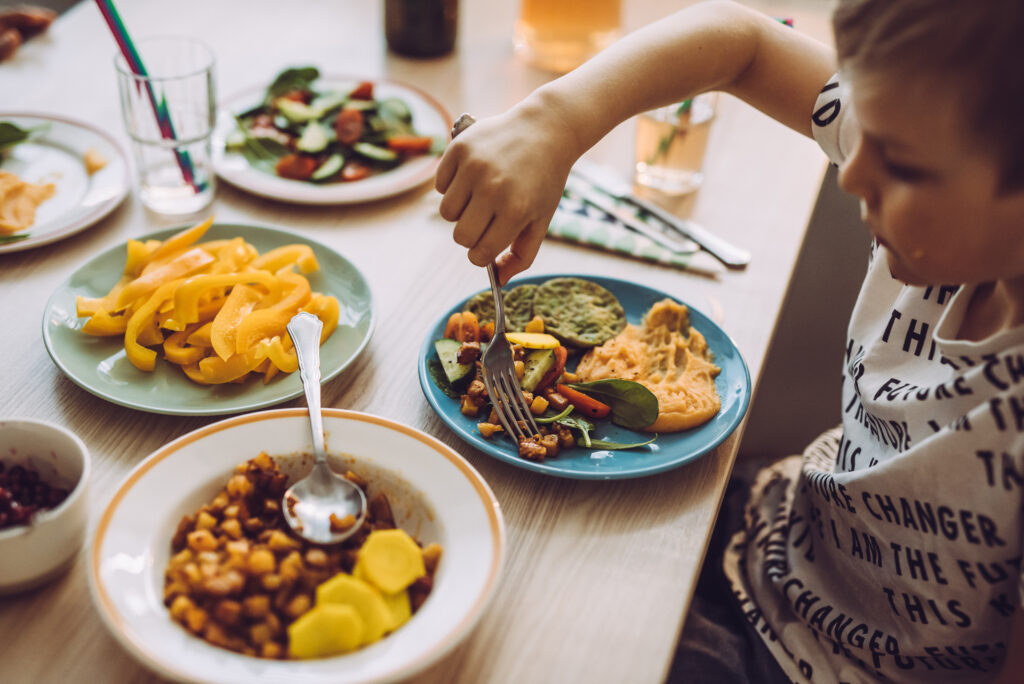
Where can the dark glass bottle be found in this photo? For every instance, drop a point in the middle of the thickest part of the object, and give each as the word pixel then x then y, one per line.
pixel 421 28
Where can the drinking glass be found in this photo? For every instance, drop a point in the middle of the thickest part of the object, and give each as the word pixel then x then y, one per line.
pixel 670 144
pixel 169 114
pixel 559 35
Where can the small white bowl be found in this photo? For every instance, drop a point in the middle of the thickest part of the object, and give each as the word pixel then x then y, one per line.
pixel 435 495
pixel 33 554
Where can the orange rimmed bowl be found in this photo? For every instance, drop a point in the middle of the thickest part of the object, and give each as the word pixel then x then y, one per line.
pixel 435 494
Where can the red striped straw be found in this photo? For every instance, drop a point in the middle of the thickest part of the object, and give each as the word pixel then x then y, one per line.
pixel 160 111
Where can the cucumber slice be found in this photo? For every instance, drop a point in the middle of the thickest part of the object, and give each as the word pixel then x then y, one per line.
pixel 375 152
pixel 298 112
pixel 328 168
pixel 397 108
pixel 448 353
pixel 314 138
pixel 538 363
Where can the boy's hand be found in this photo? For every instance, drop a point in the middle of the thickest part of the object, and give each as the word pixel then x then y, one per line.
pixel 502 179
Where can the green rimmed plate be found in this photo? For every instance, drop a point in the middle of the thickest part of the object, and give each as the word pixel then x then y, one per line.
pixel 99 365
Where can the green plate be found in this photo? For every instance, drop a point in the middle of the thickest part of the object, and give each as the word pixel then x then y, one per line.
pixel 99 365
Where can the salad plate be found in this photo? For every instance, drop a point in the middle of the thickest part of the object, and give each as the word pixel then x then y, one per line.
pixel 428 118
pixel 668 451
pixel 99 364
pixel 436 496
pixel 55 153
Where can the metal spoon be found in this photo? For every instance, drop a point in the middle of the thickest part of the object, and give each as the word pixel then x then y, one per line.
pixel 310 503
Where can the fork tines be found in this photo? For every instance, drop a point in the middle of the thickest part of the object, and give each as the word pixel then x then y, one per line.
pixel 510 405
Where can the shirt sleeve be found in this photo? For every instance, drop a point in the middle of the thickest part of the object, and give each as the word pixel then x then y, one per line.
pixel 833 123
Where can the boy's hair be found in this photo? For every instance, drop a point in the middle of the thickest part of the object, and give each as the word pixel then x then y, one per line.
pixel 975 45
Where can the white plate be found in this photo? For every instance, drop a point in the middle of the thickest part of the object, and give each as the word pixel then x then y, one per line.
pixel 435 494
pixel 428 118
pixel 56 155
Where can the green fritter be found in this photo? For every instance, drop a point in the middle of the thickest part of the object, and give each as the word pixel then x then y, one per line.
pixel 578 312
pixel 518 306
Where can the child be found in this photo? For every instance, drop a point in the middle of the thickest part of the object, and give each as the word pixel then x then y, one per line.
pixel 891 548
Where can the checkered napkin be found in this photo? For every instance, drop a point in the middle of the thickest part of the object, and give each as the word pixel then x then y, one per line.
pixel 582 223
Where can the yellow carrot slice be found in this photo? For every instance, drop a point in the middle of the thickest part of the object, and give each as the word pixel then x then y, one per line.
pixel 366 599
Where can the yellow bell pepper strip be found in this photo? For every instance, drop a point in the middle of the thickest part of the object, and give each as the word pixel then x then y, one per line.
pixel 138 254
pixel 186 299
pixel 194 374
pixel 176 349
pixel 287 255
pixel 185 264
pixel 239 303
pixel 269 374
pixel 181 240
pixel 265 323
pixel 283 357
pixel 327 309
pixel 201 336
pixel 87 306
pixel 207 312
pixel 150 334
pixel 141 357
pixel 102 324
pixel 216 370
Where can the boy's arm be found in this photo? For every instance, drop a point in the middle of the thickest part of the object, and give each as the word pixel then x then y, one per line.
pixel 503 177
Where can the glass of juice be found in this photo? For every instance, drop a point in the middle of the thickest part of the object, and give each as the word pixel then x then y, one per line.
pixel 559 35
pixel 169 114
pixel 670 144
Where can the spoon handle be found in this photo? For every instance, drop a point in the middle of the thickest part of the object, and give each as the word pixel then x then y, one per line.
pixel 305 329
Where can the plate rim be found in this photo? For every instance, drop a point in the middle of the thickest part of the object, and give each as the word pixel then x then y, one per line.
pixel 48 342
pixel 496 522
pixel 326 200
pixel 544 468
pixel 100 212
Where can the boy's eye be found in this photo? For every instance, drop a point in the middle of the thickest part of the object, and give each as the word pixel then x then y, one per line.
pixel 903 172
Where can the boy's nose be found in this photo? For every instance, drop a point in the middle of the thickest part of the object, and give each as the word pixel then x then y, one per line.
pixel 855 176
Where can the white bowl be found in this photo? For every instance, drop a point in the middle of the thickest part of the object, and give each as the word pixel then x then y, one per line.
pixel 31 555
pixel 435 494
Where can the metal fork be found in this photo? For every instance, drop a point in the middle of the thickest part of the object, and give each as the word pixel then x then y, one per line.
pixel 499 369
pixel 500 377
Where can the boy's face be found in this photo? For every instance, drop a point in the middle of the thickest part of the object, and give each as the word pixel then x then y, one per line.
pixel 930 191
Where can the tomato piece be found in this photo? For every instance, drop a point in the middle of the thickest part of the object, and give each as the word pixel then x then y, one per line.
pixel 363 91
pixel 561 354
pixel 349 126
pixel 410 144
pixel 463 326
pixel 295 166
pixel 353 171
pixel 588 406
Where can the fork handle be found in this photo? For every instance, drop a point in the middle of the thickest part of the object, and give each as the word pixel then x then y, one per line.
pixel 499 300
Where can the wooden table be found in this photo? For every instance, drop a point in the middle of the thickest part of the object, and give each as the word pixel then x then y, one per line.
pixel 598 575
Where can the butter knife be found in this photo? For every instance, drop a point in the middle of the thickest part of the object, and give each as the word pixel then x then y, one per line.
pixel 610 182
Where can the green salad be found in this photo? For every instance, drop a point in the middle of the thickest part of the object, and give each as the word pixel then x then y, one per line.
pixel 304 133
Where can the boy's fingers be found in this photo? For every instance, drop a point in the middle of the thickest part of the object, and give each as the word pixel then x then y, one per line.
pixel 502 231
pixel 472 224
pixel 446 169
pixel 523 252
pixel 456 199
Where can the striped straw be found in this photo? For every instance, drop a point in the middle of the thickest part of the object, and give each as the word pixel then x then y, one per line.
pixel 134 62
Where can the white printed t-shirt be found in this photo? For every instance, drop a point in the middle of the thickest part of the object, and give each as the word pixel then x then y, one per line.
pixel 891 549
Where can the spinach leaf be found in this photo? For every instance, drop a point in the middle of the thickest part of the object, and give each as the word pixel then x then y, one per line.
pixel 633 405
pixel 555 418
pixel 298 78
pixel 612 446
pixel 582 424
pixel 437 374
pixel 11 135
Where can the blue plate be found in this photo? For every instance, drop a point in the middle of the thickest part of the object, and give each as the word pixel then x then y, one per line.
pixel 670 450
